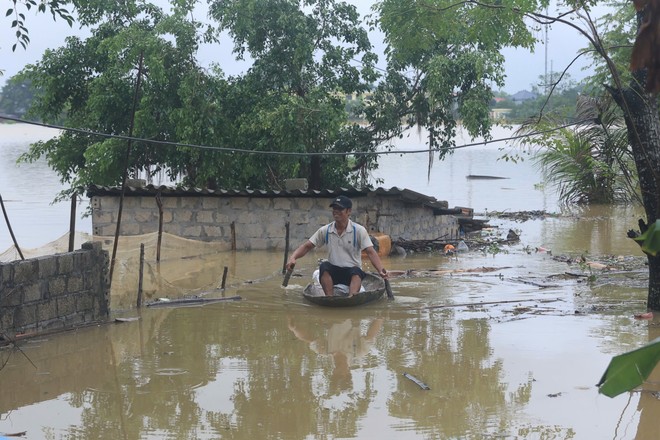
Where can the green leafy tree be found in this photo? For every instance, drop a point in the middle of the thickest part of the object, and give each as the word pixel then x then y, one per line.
pixel 433 36
pixel 590 161
pixel 92 83
pixel 443 59
pixel 307 55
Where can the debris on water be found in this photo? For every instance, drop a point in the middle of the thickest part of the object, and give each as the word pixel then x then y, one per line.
pixel 554 394
pixel 188 301
pixel 647 315
pixel 419 383
pixel 135 318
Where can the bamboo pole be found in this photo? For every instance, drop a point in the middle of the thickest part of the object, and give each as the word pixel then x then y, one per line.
pixel 141 276
pixel 286 246
pixel 233 236
pixel 159 202
pixel 72 222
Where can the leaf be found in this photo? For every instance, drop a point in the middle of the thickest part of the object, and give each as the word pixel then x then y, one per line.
pixel 9 12
pixel 629 370
pixel 650 239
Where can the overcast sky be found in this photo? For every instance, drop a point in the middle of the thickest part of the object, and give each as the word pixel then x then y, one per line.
pixel 523 68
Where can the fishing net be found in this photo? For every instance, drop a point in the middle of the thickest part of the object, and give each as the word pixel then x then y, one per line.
pixel 185 268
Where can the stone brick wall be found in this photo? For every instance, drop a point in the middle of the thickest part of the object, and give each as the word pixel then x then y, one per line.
pixel 258 223
pixel 54 292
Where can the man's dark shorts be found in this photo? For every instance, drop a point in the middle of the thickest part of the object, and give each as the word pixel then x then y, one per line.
pixel 340 275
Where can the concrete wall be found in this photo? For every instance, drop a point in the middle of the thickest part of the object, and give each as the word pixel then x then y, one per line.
pixel 54 292
pixel 259 222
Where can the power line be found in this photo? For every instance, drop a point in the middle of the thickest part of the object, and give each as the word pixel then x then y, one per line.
pixel 283 153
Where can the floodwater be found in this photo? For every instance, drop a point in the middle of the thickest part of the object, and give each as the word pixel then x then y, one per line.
pixel 507 348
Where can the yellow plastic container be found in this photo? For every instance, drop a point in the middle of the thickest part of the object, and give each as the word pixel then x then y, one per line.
pixel 382 244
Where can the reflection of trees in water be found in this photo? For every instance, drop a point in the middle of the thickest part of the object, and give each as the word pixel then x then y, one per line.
pixel 335 400
pixel 467 394
pixel 274 384
pixel 649 400
pixel 595 230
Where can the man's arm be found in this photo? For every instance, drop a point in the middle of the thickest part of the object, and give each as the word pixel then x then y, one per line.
pixel 300 252
pixel 375 260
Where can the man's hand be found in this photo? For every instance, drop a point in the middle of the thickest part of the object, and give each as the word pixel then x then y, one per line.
pixel 383 273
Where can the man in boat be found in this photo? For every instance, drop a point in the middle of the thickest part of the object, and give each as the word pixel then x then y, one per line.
pixel 345 240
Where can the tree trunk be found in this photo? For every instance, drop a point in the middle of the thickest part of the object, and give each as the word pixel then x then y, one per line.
pixel 643 123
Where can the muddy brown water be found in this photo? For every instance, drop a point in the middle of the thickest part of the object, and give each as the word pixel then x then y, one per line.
pixel 502 356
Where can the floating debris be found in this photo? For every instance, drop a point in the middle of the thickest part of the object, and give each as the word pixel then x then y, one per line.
pixel 194 301
pixel 419 383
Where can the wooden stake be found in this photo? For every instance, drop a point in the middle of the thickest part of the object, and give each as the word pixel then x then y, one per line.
pixel 159 202
pixel 11 232
pixel 233 236
pixel 286 246
pixel 224 278
pixel 72 221
pixel 141 276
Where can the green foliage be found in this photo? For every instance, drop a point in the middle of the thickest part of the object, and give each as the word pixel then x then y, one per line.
pixel 91 84
pixel 650 239
pixel 590 162
pixel 55 7
pixel 16 96
pixel 629 370
pixel 559 105
pixel 444 57
pixel 303 67
pixel 289 102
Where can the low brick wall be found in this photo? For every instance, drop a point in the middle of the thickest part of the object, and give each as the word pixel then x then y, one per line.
pixel 54 292
pixel 258 223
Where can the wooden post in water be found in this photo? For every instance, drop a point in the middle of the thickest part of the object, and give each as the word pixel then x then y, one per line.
pixel 11 231
pixel 286 246
pixel 159 202
pixel 141 276
pixel 72 222
pixel 224 278
pixel 233 236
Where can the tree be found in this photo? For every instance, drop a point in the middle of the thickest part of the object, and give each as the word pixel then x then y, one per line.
pixel 284 118
pixel 441 40
pixel 308 55
pixel 16 96
pixel 91 84
pixel 443 60
pixel 589 161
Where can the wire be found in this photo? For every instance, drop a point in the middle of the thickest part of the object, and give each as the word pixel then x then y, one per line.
pixel 287 153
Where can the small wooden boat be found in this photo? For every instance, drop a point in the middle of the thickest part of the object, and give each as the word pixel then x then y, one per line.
pixel 374 287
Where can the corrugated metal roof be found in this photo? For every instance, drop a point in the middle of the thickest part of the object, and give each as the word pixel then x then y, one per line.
pixel 406 195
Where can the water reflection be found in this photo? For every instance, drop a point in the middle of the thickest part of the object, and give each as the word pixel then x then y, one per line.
pixel 648 406
pixel 273 366
pixel 344 343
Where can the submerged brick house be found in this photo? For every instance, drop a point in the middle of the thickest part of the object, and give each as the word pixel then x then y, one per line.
pixel 258 219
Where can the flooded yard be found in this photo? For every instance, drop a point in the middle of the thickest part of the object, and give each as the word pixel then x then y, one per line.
pixel 510 341
pixel 503 358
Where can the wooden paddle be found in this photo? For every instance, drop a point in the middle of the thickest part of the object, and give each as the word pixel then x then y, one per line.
pixel 388 289
pixel 287 275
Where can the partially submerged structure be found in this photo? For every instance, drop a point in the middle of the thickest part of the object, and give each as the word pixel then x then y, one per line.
pixel 264 220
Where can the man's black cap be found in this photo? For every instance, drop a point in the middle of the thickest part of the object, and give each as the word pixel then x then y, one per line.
pixel 342 202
